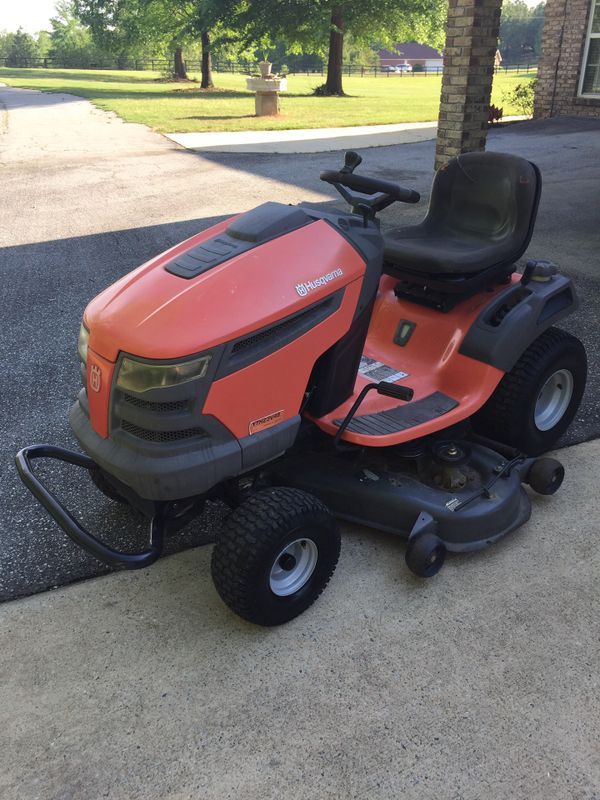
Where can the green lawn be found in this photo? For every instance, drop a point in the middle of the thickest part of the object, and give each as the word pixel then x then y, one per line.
pixel 177 107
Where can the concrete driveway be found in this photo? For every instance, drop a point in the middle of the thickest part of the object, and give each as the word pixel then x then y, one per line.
pixel 479 685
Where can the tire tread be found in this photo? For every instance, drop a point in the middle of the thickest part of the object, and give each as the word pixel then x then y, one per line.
pixel 247 536
pixel 501 416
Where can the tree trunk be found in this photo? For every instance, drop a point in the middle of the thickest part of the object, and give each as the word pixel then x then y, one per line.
pixel 207 81
pixel 333 85
pixel 179 68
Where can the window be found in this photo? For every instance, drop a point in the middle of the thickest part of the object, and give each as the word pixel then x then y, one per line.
pixel 589 84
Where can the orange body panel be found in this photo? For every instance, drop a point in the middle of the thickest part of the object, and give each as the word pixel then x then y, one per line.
pixel 430 358
pixel 278 382
pixel 153 314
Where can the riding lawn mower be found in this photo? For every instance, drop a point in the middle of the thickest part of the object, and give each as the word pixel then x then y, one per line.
pixel 303 367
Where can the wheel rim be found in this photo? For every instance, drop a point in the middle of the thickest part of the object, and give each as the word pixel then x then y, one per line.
pixel 293 567
pixel 553 400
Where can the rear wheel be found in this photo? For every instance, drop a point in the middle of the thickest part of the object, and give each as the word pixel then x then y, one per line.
pixel 536 401
pixel 275 554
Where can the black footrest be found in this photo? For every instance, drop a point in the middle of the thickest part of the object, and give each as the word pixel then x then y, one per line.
pixel 399 419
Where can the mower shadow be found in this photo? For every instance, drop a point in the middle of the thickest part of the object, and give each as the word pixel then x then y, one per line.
pixel 40 319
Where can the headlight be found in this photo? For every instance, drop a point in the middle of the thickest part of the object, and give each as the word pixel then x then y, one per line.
pixel 136 376
pixel 82 344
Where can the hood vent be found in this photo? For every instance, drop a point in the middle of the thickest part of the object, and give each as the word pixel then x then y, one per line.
pixel 267 221
pixel 263 342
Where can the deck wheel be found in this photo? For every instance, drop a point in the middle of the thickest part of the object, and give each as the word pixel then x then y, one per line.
pixel 425 554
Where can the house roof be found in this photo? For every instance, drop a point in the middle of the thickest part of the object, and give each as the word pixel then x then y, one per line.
pixel 410 50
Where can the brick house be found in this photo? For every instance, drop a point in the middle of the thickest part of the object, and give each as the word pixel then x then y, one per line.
pixel 569 67
pixel 414 54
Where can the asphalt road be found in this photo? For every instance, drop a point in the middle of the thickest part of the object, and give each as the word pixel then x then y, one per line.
pixel 86 198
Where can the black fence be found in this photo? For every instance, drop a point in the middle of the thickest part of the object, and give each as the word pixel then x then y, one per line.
pixel 240 67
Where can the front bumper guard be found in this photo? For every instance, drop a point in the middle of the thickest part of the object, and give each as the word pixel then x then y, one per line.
pixel 82 537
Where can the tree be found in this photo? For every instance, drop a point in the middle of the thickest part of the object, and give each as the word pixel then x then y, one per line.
pixel 209 20
pixel 166 25
pixel 44 43
pixel 6 40
pixel 321 25
pixel 71 43
pixel 21 50
pixel 520 30
pixel 117 27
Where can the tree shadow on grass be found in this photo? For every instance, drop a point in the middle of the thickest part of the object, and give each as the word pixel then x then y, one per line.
pixel 74 75
pixel 224 94
pixel 225 117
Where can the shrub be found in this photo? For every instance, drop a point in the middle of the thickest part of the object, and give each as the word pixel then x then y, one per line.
pixel 418 68
pixel 521 96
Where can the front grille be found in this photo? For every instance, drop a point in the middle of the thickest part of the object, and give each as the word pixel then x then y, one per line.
pixel 148 405
pixel 161 436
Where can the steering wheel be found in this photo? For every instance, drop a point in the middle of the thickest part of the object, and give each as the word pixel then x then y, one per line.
pixel 362 183
pixel 380 194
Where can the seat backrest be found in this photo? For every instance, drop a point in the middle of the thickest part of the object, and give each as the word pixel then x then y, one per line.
pixel 486 196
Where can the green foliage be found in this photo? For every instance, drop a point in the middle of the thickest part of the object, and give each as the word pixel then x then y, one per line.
pixel 6 40
pixel 71 43
pixel 418 68
pixel 158 27
pixel 44 43
pixel 521 96
pixel 305 24
pixel 520 31
pixel 357 52
pixel 21 48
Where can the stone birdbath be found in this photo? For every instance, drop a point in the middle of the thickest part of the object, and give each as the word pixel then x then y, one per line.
pixel 266 98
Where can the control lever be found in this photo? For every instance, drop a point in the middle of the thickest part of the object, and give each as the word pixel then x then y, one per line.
pixel 387 389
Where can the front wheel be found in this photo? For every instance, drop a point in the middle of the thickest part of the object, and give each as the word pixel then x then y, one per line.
pixel 536 401
pixel 275 554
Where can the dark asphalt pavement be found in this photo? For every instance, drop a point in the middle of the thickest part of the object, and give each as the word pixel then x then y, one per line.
pixel 72 225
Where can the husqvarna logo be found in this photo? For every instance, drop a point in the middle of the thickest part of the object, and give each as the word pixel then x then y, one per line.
pixel 95 378
pixel 304 288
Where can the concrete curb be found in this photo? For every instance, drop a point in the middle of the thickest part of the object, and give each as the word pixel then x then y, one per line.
pixel 313 140
pixel 318 140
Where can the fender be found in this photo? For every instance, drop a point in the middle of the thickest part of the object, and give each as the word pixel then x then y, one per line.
pixel 506 327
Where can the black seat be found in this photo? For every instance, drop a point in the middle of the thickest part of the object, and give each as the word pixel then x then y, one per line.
pixel 480 218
